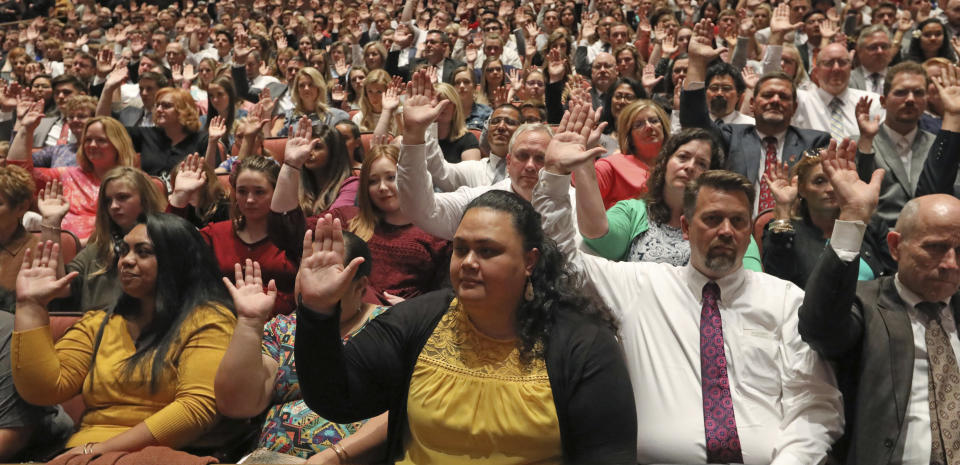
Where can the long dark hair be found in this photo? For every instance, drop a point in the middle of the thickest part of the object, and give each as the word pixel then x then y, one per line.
pixel 657 208
pixel 188 281
pixel 607 113
pixel 320 187
pixel 556 286
pixel 915 53
pixel 226 83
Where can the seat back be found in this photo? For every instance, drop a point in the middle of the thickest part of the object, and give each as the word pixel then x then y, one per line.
pixel 276 146
pixel 69 245
pixel 759 225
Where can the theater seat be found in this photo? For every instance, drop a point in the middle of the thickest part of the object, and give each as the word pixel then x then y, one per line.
pixel 759 225
pixel 275 146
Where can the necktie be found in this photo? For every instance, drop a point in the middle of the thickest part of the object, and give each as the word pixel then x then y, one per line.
pixel 64 133
pixel 720 424
pixel 944 389
pixel 769 164
pixel 875 79
pixel 718 121
pixel 500 171
pixel 836 119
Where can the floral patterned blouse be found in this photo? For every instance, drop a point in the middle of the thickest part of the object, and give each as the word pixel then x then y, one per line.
pixel 291 427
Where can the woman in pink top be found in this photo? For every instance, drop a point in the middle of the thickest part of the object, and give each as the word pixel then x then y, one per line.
pixel 641 129
pixel 104 144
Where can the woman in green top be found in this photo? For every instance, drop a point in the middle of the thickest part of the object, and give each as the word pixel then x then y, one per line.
pixel 648 229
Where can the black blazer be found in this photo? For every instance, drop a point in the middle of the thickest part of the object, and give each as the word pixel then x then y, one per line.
pixel 865 330
pixel 939 175
pixel 371 374
pixel 741 143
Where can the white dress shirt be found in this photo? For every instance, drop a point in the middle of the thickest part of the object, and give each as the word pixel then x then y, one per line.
pixel 868 81
pixel 813 110
pixel 917 444
pixel 449 177
pixel 436 213
pixel 787 407
pixel 261 81
pixel 735 117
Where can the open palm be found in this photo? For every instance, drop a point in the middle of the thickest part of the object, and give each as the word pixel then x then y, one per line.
pixel 250 297
pixel 37 281
pixel 323 279
pixel 52 203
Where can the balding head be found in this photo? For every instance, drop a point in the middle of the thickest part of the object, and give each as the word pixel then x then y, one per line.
pixel 926 244
pixel 833 68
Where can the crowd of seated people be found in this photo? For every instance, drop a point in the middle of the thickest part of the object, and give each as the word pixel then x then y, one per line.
pixel 452 231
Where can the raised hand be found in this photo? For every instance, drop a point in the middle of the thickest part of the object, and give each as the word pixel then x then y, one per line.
pixel 780 20
pixel 190 177
pixel 649 80
pixel 323 279
pixel 118 76
pixel 515 78
pixel 341 67
pixel 868 126
pixel 556 65
pixel 338 94
pixel 421 107
pixel 33 116
pixel 37 281
pixel 471 53
pixel 104 61
pixel 241 47
pixel 391 98
pixel 750 77
pixel 701 44
pixel 218 128
pixel 252 300
pixel 948 85
pixel 782 186
pixel 568 147
pixel 501 95
pixel 857 199
pixel 53 205
pixel 189 74
pixel 299 146
pixel 669 46
pixel 281 43
pixel 177 72
pixel 11 98
pixel 137 44
pixel 828 29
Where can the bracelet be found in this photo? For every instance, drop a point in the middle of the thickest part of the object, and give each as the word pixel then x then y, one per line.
pixel 781 226
pixel 88 448
pixel 50 228
pixel 294 167
pixel 341 453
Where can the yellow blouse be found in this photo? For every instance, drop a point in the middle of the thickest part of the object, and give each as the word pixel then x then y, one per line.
pixel 180 410
pixel 471 401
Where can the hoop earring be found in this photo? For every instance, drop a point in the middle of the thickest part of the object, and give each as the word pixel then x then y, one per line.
pixel 528 293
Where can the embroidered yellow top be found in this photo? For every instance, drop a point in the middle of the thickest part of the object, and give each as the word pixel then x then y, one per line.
pixel 471 400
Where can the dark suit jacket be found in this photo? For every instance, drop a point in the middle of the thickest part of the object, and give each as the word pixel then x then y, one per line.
pixel 939 175
pixel 741 143
pixel 393 58
pixel 864 329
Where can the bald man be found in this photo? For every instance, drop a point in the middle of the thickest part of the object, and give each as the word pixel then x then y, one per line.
pixel 893 340
pixel 832 106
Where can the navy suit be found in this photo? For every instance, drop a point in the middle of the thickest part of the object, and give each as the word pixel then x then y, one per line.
pixel 741 142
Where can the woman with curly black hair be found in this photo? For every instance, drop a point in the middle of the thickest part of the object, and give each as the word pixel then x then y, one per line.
pixel 515 362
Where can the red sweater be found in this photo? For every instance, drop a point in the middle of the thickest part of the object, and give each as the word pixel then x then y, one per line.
pixel 407 261
pixel 274 263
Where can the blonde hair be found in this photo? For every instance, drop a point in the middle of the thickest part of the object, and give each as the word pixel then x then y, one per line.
pixel 629 114
pixel 369 120
pixel 118 136
pixel 104 230
pixel 458 125
pixel 185 105
pixel 16 186
pixel 369 215
pixel 313 74
pixel 485 92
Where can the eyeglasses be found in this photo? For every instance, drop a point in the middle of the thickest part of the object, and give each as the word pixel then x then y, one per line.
pixel 624 96
pixel 841 62
pixel 721 88
pixel 641 123
pixel 503 120
pixel 599 65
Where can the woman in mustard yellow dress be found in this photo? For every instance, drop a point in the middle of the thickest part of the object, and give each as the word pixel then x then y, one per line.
pixel 515 365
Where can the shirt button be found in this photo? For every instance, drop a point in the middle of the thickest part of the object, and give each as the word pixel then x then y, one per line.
pixel 888 443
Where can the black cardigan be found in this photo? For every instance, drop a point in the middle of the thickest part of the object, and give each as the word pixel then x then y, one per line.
pixel 371 374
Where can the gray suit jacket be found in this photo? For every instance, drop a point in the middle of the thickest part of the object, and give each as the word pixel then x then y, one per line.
pixel 43 129
pixel 741 143
pixel 897 189
pixel 865 330
pixel 857 79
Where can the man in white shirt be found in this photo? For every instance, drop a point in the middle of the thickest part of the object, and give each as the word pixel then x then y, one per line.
pixel 719 372
pixel 439 214
pixel 832 106
pixel 448 177
pixel 895 338
pixel 873 52
pixel 898 145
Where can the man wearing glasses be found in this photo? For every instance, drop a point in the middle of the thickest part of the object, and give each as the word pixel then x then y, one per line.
pixel 873 51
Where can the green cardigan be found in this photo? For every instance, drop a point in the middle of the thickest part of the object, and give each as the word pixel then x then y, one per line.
pixel 627 219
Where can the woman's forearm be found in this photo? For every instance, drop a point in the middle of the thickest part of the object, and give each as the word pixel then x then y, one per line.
pixel 286 196
pixel 366 445
pixel 591 215
pixel 244 361
pixel 131 440
pixel 21 146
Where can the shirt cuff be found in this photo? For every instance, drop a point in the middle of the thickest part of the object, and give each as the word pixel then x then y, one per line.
pixel 6 115
pixel 847 238
pixel 694 85
pixel 554 185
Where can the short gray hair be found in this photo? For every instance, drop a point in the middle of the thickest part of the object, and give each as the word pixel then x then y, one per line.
pixel 528 127
pixel 871 30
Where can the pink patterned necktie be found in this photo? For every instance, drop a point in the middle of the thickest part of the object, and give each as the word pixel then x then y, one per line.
pixel 769 164
pixel 720 424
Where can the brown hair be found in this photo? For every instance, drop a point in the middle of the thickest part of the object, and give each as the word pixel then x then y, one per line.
pixel 722 180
